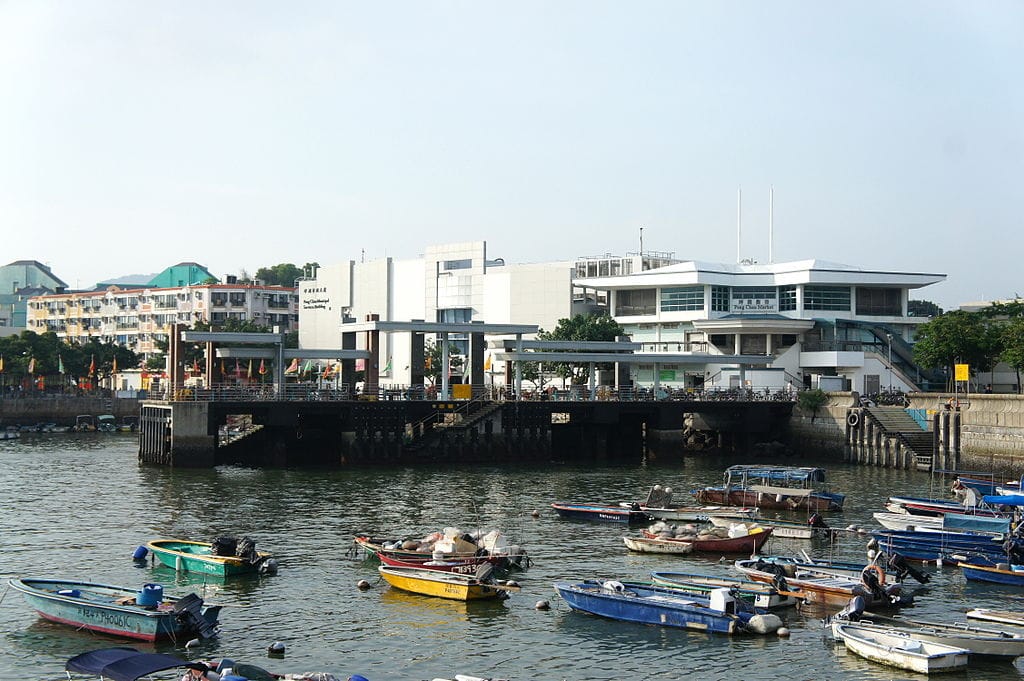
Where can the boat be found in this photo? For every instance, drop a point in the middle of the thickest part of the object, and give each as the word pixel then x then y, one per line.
pixel 465 566
pixel 940 546
pixel 106 423
pixel 1001 616
pixel 924 506
pixel 491 546
pixel 897 649
pixel 600 513
pixel 646 604
pixel 789 529
pixel 980 641
pixel 750 541
pixel 655 545
pixel 995 573
pixel 9 435
pixel 227 560
pixel 775 487
pixel 659 506
pixel 121 664
pixel 84 423
pixel 825 589
pixel 907 521
pixel 758 594
pixel 450 585
pixel 144 614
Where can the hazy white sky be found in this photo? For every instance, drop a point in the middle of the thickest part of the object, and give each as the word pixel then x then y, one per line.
pixel 134 135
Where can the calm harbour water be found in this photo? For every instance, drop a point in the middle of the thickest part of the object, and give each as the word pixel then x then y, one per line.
pixel 77 506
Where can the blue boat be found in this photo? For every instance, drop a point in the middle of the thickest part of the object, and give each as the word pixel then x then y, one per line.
pixel 121 664
pixel 995 573
pixel 645 604
pixel 144 614
pixel 940 545
pixel 601 513
pixel 788 488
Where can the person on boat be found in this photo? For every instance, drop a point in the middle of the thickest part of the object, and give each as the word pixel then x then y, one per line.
pixel 198 671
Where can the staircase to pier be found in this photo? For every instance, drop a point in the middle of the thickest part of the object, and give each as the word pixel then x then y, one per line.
pixel 466 417
pixel 896 423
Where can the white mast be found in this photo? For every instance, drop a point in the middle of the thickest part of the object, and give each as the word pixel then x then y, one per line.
pixel 739 224
pixel 771 223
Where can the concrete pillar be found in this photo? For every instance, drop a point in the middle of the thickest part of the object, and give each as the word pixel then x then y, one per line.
pixel 476 362
pixel 208 370
pixel 736 345
pixel 417 347
pixel 945 439
pixel 519 367
pixel 348 366
pixel 371 380
pixel 445 366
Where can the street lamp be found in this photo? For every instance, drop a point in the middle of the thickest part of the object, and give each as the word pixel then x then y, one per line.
pixel 888 337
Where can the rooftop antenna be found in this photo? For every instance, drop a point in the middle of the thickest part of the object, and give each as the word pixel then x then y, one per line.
pixel 771 223
pixel 739 224
pixel 641 242
pixel 362 255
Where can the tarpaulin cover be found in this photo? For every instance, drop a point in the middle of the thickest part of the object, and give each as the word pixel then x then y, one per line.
pixel 121 664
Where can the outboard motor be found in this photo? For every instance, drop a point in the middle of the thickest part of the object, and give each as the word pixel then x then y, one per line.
pixel 853 610
pixel 901 568
pixel 817 521
pixel 870 579
pixel 189 611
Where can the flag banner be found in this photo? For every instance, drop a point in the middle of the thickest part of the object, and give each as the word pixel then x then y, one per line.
pixel 248 373
pixel 92 366
pixel 308 367
pixel 32 365
pixel 222 372
pixel 293 368
pixel 1 363
pixel 487 363
pixel 60 364
pixel 114 369
pixel 387 367
pixel 263 367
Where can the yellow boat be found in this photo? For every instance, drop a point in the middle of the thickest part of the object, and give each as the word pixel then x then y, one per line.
pixel 449 585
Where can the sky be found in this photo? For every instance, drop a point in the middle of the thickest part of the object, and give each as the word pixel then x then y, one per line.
pixel 244 134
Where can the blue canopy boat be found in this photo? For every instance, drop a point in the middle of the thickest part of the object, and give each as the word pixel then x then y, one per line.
pixel 645 604
pixel 121 664
pixel 787 488
pixel 144 614
pixel 941 545
pixel 601 513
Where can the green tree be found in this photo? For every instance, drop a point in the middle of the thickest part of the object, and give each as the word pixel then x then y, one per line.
pixel 812 401
pixel 1012 344
pixel 432 361
pixel 285 274
pixel 595 326
pixel 923 308
pixel 957 337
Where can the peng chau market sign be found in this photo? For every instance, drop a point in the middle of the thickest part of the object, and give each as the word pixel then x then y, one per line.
pixel 754 304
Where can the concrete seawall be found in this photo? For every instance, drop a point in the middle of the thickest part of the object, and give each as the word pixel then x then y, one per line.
pixel 61 409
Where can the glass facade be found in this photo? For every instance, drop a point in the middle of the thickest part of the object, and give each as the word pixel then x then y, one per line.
pixel 719 298
pixel 879 301
pixel 827 298
pixel 631 302
pixel 787 298
pixel 682 298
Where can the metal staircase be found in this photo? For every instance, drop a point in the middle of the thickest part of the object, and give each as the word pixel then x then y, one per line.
pixel 896 423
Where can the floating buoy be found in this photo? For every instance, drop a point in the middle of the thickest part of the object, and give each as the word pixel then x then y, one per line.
pixel 871 554
pixel 783 631
pixel 275 649
pixel 512 583
pixel 363 585
pixel 140 553
pixel 193 643
pixel 535 513
pixel 542 605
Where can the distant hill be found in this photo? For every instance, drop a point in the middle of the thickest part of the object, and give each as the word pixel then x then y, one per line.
pixel 128 280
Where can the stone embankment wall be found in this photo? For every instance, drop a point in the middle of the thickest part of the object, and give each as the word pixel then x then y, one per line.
pixel 62 410
pixel 991 428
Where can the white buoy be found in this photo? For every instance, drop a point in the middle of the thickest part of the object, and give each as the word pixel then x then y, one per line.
pixel 542 605
pixel 783 631
pixel 535 514
pixel 363 584
pixel 193 643
pixel 276 649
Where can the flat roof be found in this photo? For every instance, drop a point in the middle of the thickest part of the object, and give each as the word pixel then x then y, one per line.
pixel 637 358
pixel 440 327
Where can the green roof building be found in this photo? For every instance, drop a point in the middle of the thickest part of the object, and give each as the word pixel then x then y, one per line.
pixel 183 274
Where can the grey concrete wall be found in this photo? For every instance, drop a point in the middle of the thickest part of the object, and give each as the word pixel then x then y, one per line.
pixel 62 409
pixel 823 431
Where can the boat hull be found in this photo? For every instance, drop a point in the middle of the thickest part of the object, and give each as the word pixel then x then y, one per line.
pixel 192 556
pixel 669 610
pixel 462 566
pixel 599 513
pixel 739 497
pixel 750 543
pixel 758 594
pixel 96 608
pixel 992 574
pixel 1000 616
pixel 698 513
pixel 452 586
pixel 648 545
pixel 900 650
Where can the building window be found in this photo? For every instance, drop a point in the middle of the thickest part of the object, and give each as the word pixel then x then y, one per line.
pixel 827 298
pixel 464 264
pixel 719 298
pixel 787 298
pixel 682 298
pixel 631 302
pixel 879 301
pixel 754 299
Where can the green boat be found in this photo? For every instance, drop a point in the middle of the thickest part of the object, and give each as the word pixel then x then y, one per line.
pixel 196 556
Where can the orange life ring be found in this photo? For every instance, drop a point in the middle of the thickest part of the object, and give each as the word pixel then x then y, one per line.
pixel 879 572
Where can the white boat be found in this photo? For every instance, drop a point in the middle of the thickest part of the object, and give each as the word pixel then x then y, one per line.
pixel 659 506
pixel 650 545
pixel 906 521
pixel 1000 616
pixel 897 649
pixel 978 640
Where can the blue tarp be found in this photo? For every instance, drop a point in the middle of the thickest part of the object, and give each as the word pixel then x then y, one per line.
pixel 776 473
pixel 957 522
pixel 1004 499
pixel 121 664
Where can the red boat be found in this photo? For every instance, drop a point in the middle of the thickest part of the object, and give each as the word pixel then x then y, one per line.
pixel 462 566
pixel 375 546
pixel 750 543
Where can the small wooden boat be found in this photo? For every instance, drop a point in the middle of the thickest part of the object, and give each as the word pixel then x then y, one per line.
pixel 450 585
pixel 896 649
pixel 748 543
pixel 515 557
pixel 979 641
pixel 144 614
pixel 823 589
pixel 775 487
pixel 758 594
pixel 1001 616
pixel 998 573
pixel 196 556
pixel 788 529
pixel 464 566
pixel 654 545
pixel 659 506
pixel 600 513
pixel 646 604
